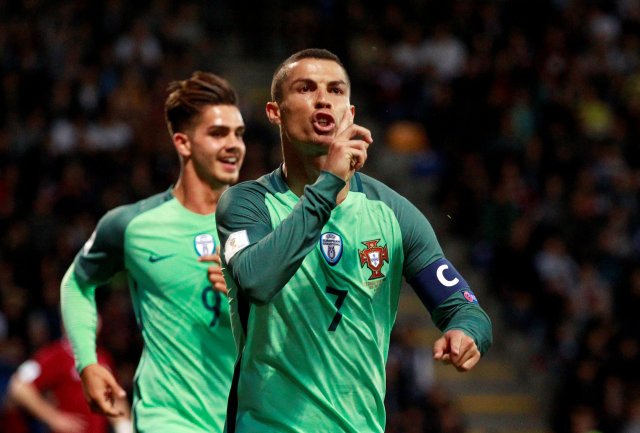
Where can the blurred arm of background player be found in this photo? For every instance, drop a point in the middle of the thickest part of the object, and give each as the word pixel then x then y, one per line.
pixel 23 392
pixel 27 396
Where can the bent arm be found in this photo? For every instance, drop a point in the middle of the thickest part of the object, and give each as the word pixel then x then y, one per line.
pixel 27 396
pixel 440 287
pixel 252 247
pixel 458 313
pixel 451 302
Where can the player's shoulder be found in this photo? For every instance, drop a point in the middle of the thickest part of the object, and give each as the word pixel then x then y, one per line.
pixel 244 187
pixel 252 189
pixel 121 215
pixel 374 189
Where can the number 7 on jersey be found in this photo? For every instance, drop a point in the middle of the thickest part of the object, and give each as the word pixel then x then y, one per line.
pixel 340 297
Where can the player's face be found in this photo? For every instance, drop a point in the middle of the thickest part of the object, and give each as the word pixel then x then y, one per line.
pixel 315 105
pixel 217 146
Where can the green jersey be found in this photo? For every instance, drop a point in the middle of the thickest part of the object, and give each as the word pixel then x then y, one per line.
pixel 314 291
pixel 182 381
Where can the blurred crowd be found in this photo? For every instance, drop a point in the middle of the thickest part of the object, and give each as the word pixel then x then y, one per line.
pixel 513 124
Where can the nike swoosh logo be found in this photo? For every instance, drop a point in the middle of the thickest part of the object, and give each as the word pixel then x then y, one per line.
pixel 156 258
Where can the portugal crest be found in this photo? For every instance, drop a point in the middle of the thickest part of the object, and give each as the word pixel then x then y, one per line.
pixel 204 244
pixel 374 257
pixel 331 247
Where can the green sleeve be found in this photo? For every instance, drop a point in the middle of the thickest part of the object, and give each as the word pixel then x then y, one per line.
pixel 458 313
pixel 103 255
pixel 419 242
pixel 242 208
pixel 99 260
pixel 421 249
pixel 80 317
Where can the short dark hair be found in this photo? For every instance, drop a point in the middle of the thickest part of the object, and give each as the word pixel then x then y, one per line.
pixel 186 99
pixel 280 73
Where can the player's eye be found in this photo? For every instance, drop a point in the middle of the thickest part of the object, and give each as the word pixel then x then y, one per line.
pixel 219 132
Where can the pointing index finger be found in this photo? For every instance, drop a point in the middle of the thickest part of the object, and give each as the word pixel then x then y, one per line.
pixel 356 132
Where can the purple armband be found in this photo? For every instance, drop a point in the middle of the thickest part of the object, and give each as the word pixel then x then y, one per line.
pixel 437 282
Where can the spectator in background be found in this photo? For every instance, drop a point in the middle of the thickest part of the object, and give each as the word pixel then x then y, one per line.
pixel 48 387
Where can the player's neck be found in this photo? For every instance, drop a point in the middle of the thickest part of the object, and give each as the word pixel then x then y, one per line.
pixel 342 195
pixel 197 196
pixel 299 172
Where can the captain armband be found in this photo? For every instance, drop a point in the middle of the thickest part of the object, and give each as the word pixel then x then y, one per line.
pixel 437 282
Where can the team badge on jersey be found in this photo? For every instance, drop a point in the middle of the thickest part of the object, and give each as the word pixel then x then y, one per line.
pixel 331 247
pixel 204 244
pixel 374 257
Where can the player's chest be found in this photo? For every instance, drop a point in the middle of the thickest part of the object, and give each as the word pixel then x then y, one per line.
pixel 169 254
pixel 365 256
pixel 359 248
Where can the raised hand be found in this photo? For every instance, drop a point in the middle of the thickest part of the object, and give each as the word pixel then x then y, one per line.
pixel 348 151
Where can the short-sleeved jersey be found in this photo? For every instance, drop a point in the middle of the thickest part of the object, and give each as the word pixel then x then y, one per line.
pixel 52 370
pixel 312 357
pixel 184 374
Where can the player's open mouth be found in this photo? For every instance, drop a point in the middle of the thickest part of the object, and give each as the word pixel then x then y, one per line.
pixel 230 162
pixel 323 122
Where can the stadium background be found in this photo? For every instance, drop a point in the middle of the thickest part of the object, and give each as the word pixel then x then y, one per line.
pixel 513 124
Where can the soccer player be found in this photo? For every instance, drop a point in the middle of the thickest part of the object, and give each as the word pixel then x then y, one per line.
pixel 164 244
pixel 51 371
pixel 315 253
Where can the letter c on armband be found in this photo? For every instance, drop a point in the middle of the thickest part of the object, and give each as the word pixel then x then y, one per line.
pixel 443 280
pixel 436 282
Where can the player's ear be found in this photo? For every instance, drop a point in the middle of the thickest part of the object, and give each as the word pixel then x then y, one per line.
pixel 273 112
pixel 182 144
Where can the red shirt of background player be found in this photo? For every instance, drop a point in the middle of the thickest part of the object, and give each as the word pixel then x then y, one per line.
pixel 52 370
